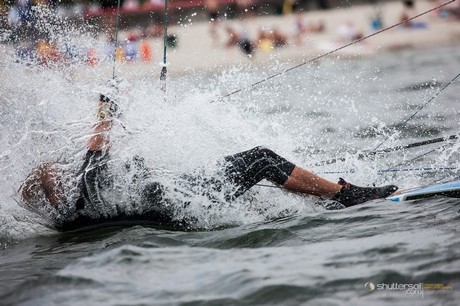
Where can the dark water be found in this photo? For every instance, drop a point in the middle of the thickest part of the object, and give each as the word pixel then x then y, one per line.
pixel 287 251
pixel 323 258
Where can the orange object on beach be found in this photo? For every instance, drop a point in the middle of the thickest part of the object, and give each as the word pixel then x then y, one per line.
pixel 146 51
pixel 120 54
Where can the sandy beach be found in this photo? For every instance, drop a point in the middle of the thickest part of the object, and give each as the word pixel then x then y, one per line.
pixel 197 52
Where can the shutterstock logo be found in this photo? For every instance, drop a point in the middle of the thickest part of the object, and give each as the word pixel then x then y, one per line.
pixel 410 289
pixel 416 289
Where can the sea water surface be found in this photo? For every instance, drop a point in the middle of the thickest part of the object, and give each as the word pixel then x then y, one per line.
pixel 282 248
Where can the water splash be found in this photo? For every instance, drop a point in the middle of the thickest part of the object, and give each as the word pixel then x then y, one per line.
pixel 47 113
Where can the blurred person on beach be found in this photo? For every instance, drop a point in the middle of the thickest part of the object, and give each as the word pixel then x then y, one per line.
pixel 348 32
pixel 279 38
pixel 264 41
pixel 410 11
pixel 451 12
pixel 212 7
pixel 132 47
pixel 268 40
pixel 377 18
pixel 242 42
pixel 43 191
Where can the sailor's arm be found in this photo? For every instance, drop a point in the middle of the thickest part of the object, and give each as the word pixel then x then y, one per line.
pixel 100 140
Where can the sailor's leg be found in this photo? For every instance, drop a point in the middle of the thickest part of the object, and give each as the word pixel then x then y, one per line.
pixel 247 168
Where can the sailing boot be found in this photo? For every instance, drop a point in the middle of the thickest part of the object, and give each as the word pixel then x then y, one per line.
pixel 351 195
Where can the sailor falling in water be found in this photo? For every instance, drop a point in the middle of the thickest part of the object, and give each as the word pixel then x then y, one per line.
pixel 43 190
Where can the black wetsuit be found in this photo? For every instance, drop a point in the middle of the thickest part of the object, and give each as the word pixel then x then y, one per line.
pixel 247 168
pixel 242 170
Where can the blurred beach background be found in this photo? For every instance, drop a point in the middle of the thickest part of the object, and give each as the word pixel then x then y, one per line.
pixel 210 35
pixel 282 248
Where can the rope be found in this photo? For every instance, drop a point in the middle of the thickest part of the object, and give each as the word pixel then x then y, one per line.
pixel 426 169
pixel 418 169
pixel 116 38
pixel 419 109
pixel 422 155
pixel 333 51
pixel 382 171
pixel 393 149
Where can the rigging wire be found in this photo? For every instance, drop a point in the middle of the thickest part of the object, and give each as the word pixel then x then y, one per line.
pixel 388 150
pixel 419 169
pixel 419 109
pixel 333 51
pixel 384 171
pixel 375 151
pixel 422 155
pixel 165 34
pixel 116 38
